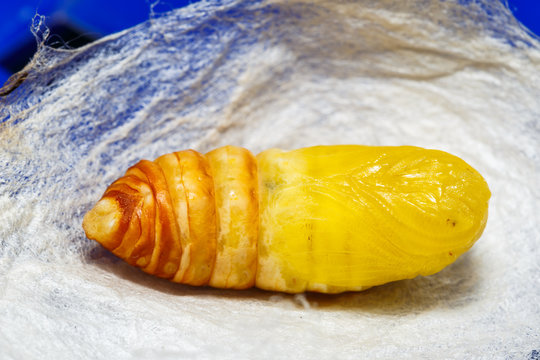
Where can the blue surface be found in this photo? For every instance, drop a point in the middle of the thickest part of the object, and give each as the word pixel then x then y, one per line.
pixel 528 12
pixel 93 19
pixel 4 75
pixel 97 18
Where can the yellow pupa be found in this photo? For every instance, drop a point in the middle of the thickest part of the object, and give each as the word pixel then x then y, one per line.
pixel 325 218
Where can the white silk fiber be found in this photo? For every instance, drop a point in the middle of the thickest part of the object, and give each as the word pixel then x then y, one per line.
pixel 456 75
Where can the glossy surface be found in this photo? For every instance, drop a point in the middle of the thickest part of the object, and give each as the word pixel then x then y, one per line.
pixel 327 218
pixel 236 187
pixel 191 186
pixel 336 218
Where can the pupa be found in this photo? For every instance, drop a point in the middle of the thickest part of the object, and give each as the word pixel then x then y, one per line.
pixel 326 218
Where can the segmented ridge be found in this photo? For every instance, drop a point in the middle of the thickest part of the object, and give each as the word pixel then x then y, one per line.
pixel 191 187
pixel 151 239
pixel 186 217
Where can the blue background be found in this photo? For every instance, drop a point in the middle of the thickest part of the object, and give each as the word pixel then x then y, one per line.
pixel 78 22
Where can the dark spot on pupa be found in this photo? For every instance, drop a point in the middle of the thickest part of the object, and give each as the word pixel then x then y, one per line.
pixel 451 222
pixel 269 185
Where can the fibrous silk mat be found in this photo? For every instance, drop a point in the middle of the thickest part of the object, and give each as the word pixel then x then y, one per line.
pixel 459 76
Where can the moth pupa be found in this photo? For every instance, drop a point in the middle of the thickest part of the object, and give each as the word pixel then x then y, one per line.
pixel 325 218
